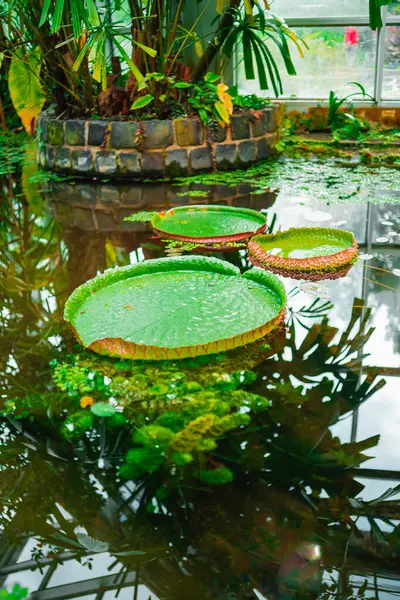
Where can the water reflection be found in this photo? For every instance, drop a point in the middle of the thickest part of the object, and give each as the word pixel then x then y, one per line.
pixel 293 519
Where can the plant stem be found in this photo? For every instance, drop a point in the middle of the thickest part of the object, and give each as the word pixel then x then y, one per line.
pixel 224 28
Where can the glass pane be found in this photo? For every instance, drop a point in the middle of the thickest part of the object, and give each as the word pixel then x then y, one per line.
pixel 319 8
pixel 336 56
pixel 391 64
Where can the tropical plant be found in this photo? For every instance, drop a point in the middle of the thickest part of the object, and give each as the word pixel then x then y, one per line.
pixel 345 120
pixel 75 49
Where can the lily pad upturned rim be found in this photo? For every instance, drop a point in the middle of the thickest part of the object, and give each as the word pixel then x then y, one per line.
pixel 117 347
pixel 244 235
pixel 338 263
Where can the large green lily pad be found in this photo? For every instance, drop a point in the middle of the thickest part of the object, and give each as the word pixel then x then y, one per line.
pixel 209 223
pixel 175 307
pixel 305 252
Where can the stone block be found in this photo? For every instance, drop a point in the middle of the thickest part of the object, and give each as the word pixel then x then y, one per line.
pixel 87 192
pixel 200 159
pixel 106 221
pixel 176 163
pixel 189 132
pixel 270 118
pixel 247 153
pixel 82 161
pixel 129 163
pixel 50 157
pixel 240 127
pixel 41 156
pixel 106 163
pixel 216 133
pixel 97 133
pixel 262 148
pixel 225 156
pixel 152 164
pixel 109 194
pixel 83 218
pixel 131 194
pixel 157 134
pixel 259 124
pixel 55 132
pixel 43 125
pixel 75 133
pixel 124 135
pixel 62 160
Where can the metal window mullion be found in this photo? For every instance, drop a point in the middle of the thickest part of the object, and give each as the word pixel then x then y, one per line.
pixel 327 21
pixel 380 57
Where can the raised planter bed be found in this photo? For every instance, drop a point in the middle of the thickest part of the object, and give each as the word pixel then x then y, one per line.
pixel 156 149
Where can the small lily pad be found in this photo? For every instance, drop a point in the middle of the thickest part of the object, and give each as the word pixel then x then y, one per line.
pixel 305 252
pixel 208 223
pixel 177 307
pixel 103 409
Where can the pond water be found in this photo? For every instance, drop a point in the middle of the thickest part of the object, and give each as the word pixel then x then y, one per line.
pixel 291 492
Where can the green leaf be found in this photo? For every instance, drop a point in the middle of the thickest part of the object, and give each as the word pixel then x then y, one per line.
pixel 173 308
pixel 57 16
pixel 26 91
pixel 134 70
pixel 93 14
pixel 102 409
pixel 181 85
pixel 142 101
pixel 212 77
pixel 91 544
pixel 45 12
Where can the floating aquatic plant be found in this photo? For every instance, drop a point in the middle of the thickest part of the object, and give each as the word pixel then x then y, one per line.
pixel 174 308
pixel 208 223
pixel 305 252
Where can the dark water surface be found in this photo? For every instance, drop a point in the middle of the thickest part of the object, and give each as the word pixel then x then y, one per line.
pixel 312 510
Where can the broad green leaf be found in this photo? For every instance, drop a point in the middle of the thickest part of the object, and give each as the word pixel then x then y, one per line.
pixel 222 112
pixel 182 85
pixel 142 101
pixel 102 409
pixel 174 307
pixel 211 77
pixel 91 544
pixel 26 91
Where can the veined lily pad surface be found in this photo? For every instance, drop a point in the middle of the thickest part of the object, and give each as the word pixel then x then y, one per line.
pixel 175 307
pixel 305 252
pixel 213 223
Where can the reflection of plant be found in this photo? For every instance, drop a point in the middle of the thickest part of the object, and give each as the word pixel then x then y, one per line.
pixel 17 593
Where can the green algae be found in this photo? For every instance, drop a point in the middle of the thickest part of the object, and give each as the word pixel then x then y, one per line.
pixel 333 180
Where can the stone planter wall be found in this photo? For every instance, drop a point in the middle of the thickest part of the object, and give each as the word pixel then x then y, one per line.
pixel 155 149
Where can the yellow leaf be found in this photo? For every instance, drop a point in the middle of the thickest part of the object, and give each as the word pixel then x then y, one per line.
pixel 248 7
pixel 26 91
pixel 224 97
pixel 198 48
pixel 86 401
pixel 220 6
pixel 267 7
pixel 222 112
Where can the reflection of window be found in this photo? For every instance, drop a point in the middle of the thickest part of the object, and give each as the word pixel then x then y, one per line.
pixel 391 64
pixel 342 48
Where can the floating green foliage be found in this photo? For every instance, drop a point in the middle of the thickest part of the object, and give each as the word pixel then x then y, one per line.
pixel 142 215
pixel 319 179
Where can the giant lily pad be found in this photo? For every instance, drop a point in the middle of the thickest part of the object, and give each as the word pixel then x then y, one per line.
pixel 208 223
pixel 177 307
pixel 305 252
